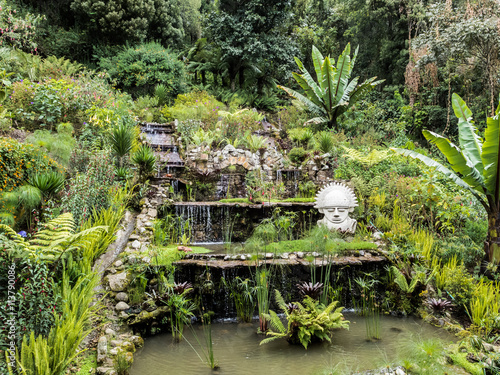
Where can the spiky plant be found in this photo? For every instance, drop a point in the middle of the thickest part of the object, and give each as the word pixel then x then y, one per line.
pixel 324 142
pixel 122 140
pixel 49 183
pixel 185 287
pixel 161 93
pixel 145 160
pixel 439 306
pixel 309 289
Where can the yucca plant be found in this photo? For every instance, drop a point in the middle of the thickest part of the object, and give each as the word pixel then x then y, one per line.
pixel 122 141
pixel 324 142
pixel 161 93
pixel 475 164
pixel 145 160
pixel 332 93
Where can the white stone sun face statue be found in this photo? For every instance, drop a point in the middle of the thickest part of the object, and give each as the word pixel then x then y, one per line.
pixel 336 201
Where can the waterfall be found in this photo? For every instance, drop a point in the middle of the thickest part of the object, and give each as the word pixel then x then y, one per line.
pixel 222 186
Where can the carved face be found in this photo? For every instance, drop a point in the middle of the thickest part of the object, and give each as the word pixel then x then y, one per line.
pixel 336 215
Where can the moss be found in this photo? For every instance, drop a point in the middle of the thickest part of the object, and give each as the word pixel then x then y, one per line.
pixel 88 362
pixel 166 255
pixel 307 245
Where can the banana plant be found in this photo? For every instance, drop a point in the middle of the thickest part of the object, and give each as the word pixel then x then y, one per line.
pixel 475 165
pixel 332 94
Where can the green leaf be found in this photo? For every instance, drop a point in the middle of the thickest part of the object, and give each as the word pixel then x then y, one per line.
pixel 459 162
pixel 317 58
pixel 470 143
pixel 490 156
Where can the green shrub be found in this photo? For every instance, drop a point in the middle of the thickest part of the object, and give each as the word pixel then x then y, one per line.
pixel 195 105
pixel 90 191
pixel 297 155
pixel 19 162
pixel 138 70
pixel 44 104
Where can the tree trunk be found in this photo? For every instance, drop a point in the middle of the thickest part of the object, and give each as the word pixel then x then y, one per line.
pixel 203 78
pixel 492 244
pixel 241 77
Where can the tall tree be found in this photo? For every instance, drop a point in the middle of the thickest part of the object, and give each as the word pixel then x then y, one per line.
pixel 248 31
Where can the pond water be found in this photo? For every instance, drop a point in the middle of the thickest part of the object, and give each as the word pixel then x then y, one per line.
pixel 237 350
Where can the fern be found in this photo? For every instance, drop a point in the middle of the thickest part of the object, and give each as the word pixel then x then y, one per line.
pixel 56 238
pixel 373 158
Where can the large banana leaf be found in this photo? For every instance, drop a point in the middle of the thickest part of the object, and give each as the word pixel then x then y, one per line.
pixel 470 143
pixel 491 156
pixel 441 168
pixel 313 92
pixel 328 84
pixel 459 162
pixel 342 73
pixel 318 58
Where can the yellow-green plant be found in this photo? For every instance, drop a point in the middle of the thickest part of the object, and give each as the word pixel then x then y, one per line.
pixel 485 305
pixel 373 158
pixel 53 354
pixel 58 237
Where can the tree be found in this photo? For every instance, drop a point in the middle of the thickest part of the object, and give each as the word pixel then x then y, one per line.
pixel 118 21
pixel 464 39
pixel 333 93
pixel 247 32
pixel 475 164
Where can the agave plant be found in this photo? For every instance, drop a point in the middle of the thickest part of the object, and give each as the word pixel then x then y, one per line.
pixel 332 94
pixel 475 164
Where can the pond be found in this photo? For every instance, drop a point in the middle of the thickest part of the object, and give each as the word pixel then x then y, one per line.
pixel 237 350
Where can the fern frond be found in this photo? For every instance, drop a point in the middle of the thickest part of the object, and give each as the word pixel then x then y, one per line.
pixel 373 158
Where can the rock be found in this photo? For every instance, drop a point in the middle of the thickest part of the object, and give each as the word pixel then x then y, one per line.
pixel 368 255
pixel 269 255
pixel 361 253
pixel 115 343
pixel 118 263
pixel 122 306
pixel 122 296
pixel 315 254
pixel 137 341
pixel 148 224
pixel 146 260
pixel 400 371
pixel 130 358
pixel 242 257
pixel 110 332
pixel 104 370
pixel 378 235
pixel 152 212
pixel 118 282
pixel 284 256
pixel 127 346
pixel 102 349
pixel 136 244
pixel 115 351
pixel 300 254
pixel 228 149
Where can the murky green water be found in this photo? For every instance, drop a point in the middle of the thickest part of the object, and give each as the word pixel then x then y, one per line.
pixel 237 350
